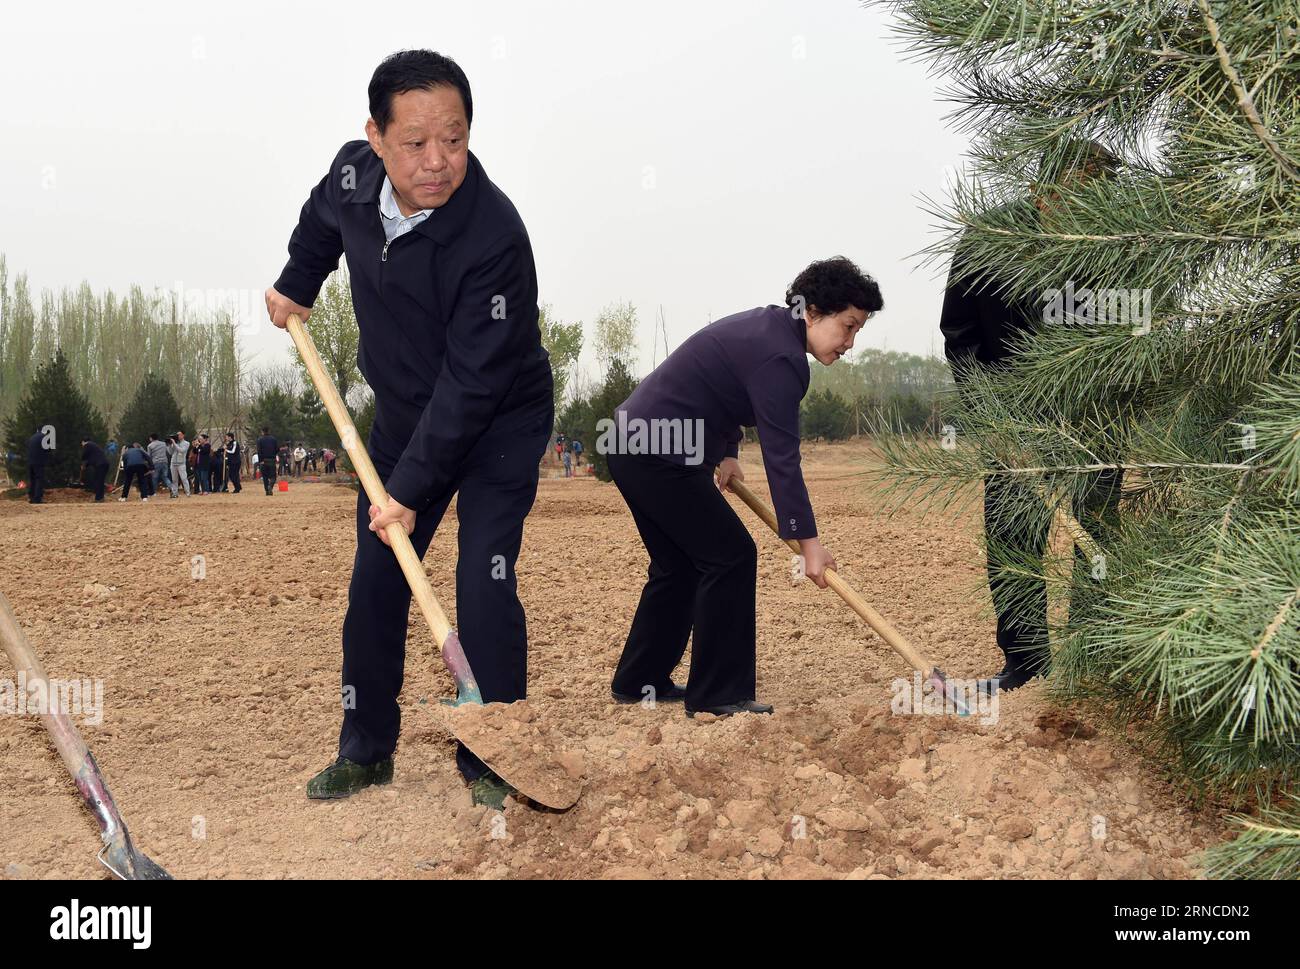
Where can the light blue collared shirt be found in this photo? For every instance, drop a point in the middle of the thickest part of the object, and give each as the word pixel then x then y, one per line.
pixel 396 224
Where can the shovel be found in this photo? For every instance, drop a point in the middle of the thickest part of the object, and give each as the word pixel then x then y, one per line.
pixel 915 658
pixel 523 767
pixel 119 854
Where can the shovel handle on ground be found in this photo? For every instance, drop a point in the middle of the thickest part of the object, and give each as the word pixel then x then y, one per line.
pixel 453 655
pixel 875 620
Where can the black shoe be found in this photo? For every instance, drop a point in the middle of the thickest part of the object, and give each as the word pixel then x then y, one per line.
pixel 1016 674
pixel 674 694
pixel 343 778
pixel 727 709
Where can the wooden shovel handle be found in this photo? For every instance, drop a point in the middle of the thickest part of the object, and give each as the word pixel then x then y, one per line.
pixel 412 567
pixel 875 620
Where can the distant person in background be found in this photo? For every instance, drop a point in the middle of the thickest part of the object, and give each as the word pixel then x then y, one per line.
pixel 157 451
pixel 94 462
pixel 284 460
pixel 299 455
pixel 135 467
pixel 38 456
pixel 268 449
pixel 576 448
pixel 233 459
pixel 330 458
pixel 203 464
pixel 559 447
pixel 568 463
pixel 180 451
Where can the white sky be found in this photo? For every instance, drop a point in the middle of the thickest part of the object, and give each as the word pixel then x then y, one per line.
pixel 175 143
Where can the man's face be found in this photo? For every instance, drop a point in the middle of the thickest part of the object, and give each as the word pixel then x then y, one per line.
pixel 425 147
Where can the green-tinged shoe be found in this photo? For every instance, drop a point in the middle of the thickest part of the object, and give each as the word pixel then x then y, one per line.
pixel 343 778
pixel 490 790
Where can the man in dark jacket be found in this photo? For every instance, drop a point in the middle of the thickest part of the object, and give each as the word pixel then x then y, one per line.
pixel 135 467
pixel 268 451
pixel 94 462
pixel 233 458
pixel 981 323
pixel 445 293
pixel 39 446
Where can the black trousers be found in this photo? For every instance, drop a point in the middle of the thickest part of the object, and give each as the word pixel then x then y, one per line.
pixel 494 493
pixel 703 567
pixel 267 469
pixel 36 484
pixel 1019 601
pixel 140 475
pixel 232 476
pixel 96 482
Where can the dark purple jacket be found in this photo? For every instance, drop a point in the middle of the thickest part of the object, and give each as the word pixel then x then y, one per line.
pixel 746 370
pixel 447 312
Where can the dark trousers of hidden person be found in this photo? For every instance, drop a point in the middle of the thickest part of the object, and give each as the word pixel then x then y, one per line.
pixel 495 490
pixel 700 585
pixel 1020 602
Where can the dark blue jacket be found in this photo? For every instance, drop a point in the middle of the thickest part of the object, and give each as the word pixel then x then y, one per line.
pixel 746 370
pixel 447 312
pixel 92 456
pixel 135 457
pixel 37 456
pixel 268 446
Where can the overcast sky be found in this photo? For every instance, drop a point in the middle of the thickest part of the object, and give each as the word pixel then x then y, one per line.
pixel 690 155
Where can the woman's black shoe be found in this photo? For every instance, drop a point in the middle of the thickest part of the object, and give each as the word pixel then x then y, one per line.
pixel 727 709
pixel 674 694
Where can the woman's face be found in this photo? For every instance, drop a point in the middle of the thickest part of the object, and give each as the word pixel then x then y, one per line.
pixel 831 335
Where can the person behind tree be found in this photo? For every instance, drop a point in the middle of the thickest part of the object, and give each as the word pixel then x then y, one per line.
pixel 980 324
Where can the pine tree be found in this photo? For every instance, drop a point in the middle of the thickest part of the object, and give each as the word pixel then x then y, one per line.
pixel 1135 178
pixel 825 415
pixel 153 410
pixel 276 409
pixel 53 401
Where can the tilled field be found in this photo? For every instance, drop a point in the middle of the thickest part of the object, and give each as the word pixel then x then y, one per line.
pixel 221 699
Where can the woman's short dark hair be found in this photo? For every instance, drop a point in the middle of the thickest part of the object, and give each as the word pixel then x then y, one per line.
pixel 415 70
pixel 833 285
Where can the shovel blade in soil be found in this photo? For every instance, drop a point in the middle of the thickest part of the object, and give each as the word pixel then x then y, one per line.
pixel 505 737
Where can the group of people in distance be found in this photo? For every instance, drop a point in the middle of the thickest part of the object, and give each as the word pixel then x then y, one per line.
pixel 171 462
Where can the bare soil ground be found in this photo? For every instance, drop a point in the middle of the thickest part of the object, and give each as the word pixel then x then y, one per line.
pixel 221 700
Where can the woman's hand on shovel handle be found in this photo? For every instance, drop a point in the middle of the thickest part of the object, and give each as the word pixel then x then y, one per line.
pixel 394 512
pixel 728 469
pixel 816 560
pixel 280 307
